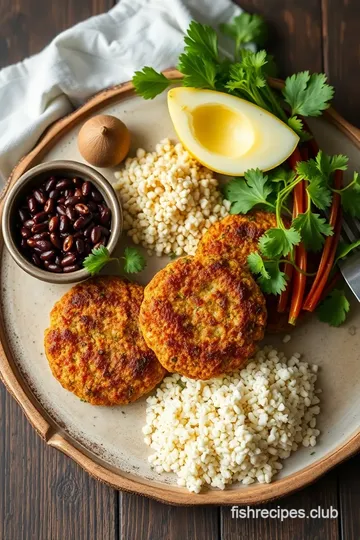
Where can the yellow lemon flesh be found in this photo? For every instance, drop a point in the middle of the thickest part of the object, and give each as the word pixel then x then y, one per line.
pixel 227 134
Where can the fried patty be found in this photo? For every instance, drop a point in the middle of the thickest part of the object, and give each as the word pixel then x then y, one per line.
pixel 235 236
pixel 94 344
pixel 203 319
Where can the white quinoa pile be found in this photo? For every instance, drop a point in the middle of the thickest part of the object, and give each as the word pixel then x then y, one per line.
pixel 169 200
pixel 234 428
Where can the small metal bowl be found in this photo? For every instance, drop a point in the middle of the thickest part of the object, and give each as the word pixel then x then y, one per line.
pixel 36 176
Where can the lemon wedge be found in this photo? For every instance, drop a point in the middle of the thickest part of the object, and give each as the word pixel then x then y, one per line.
pixel 227 134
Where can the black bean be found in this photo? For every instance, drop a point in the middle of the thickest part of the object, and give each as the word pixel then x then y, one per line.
pixel 96 196
pixel 95 234
pixel 77 182
pixel 80 246
pixel 54 268
pixel 41 236
pixel 72 268
pixel 63 184
pixel 24 244
pixel 40 227
pixel 32 204
pixel 82 209
pixel 36 259
pixel 68 243
pixel 78 234
pixel 105 231
pixel 68 259
pixel 47 255
pixel 105 215
pixel 61 210
pixel 64 224
pixel 54 194
pixel 82 221
pixel 71 214
pixel 29 223
pixel 61 200
pixel 68 193
pixel 39 196
pixel 43 245
pixel 24 214
pixel 55 240
pixel 49 206
pixel 25 232
pixel 54 223
pixel 86 188
pixel 100 243
pixel 71 201
pixel 87 231
pixel 78 192
pixel 92 206
pixel 57 260
pixel 31 242
pixel 88 248
pixel 50 184
pixel 40 217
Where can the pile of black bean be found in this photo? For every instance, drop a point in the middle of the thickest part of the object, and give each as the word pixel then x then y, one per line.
pixel 61 222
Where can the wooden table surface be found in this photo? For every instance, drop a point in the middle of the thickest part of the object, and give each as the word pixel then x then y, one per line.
pixel 44 495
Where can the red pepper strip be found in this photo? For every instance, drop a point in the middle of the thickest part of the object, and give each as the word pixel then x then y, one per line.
pixel 329 251
pixel 300 257
pixel 284 297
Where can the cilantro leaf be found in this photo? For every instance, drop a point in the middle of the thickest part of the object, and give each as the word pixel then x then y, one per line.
pixel 246 28
pixel 198 71
pixel 245 194
pixel 334 308
pixel 307 169
pixel 344 250
pixel 201 40
pixel 312 228
pixel 297 125
pixel 149 83
pixel 134 261
pixel 278 242
pixel 350 197
pixel 307 95
pixel 329 164
pixel 276 283
pixel 319 193
pixel 97 259
pixel 256 265
pixel 282 174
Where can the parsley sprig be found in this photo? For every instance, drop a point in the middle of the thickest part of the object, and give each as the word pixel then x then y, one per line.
pixel 334 308
pixel 99 257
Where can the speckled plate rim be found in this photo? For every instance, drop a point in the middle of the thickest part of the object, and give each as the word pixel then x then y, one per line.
pixel 54 436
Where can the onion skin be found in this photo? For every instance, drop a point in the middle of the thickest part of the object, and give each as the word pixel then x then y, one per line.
pixel 104 141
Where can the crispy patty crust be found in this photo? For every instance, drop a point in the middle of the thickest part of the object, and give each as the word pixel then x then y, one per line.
pixel 94 344
pixel 203 319
pixel 235 236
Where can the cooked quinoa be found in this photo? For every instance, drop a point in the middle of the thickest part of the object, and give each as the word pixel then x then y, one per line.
pixel 236 428
pixel 169 200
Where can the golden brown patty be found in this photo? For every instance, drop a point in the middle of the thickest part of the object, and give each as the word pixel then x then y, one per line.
pixel 202 319
pixel 235 237
pixel 94 344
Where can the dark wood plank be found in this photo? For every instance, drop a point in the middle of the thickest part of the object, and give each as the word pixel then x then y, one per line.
pixel 342 54
pixel 26 26
pixel 349 493
pixel 45 495
pixel 294 32
pixel 144 519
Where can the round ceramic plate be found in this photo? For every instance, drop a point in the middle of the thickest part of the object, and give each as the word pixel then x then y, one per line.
pixel 108 442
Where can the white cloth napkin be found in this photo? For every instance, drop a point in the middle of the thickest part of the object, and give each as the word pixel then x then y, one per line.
pixel 96 54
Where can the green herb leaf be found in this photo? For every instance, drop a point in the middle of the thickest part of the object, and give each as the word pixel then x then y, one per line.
pixel 312 228
pixel 282 174
pixel 344 249
pixel 249 192
pixel 334 308
pixel 276 283
pixel 257 265
pixel 198 71
pixel 134 261
pixel 246 28
pixel 350 197
pixel 149 83
pixel 329 164
pixel 297 125
pixel 319 193
pixel 278 242
pixel 201 40
pixel 307 95
pixel 97 259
